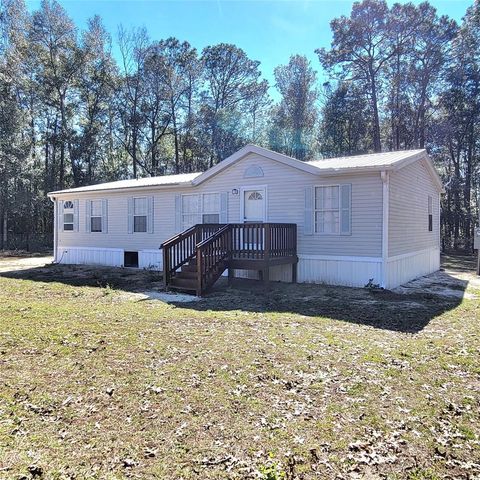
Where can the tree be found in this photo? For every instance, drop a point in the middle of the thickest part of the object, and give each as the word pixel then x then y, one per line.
pixel 231 78
pixel 296 115
pixel 60 60
pixel 344 128
pixel 133 47
pixel 459 124
pixel 361 48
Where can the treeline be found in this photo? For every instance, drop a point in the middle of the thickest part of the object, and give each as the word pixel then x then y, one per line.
pixel 71 113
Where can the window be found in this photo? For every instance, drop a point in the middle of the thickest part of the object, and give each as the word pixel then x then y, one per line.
pixel 255 196
pixel 211 208
pixel 430 214
pixel 140 215
pixel 96 216
pixel 68 216
pixel 253 171
pixel 68 221
pixel 327 210
pixel 204 208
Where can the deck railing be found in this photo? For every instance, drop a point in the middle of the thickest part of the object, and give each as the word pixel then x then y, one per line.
pixel 212 258
pixel 213 245
pixel 263 240
pixel 180 249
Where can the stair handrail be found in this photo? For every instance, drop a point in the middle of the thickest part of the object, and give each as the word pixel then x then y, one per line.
pixel 177 251
pixel 210 267
pixel 177 236
pixel 181 248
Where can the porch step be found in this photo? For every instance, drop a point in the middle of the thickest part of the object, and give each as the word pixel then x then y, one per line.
pixel 186 274
pixel 187 284
pixel 189 267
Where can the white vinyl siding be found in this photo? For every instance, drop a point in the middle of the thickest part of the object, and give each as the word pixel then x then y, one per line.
pixel 409 207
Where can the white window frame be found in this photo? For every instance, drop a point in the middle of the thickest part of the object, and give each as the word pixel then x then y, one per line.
pixel 146 214
pixel 201 211
pixel 67 211
pixel 429 213
pixel 100 201
pixel 315 210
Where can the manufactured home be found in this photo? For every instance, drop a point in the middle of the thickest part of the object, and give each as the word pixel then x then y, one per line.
pixel 342 221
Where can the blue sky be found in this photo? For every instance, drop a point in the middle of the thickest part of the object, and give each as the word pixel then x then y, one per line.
pixel 269 31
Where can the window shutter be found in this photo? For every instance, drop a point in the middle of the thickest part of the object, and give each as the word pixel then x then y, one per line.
pixel 104 216
pixel 178 213
pixel 130 215
pixel 224 207
pixel 150 214
pixel 60 215
pixel 308 221
pixel 88 214
pixel 345 209
pixel 75 216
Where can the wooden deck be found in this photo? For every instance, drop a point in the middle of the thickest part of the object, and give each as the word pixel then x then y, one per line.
pixel 194 259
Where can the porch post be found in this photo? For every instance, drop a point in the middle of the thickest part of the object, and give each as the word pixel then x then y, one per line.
pixel 266 270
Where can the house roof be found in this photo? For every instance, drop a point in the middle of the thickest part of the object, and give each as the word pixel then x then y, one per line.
pixel 165 180
pixel 387 161
pixel 382 161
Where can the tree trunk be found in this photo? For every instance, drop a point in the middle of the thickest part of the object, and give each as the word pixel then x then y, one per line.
pixel 175 138
pixel 377 145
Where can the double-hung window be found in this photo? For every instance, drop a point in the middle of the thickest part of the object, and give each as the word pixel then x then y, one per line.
pixel 211 208
pixel 327 210
pixel 201 208
pixel 96 216
pixel 68 216
pixel 430 214
pixel 332 207
pixel 140 213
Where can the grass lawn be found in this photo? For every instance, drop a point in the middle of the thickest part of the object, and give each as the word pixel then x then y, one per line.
pixel 304 382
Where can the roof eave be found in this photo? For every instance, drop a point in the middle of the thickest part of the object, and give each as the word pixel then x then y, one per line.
pixel 132 188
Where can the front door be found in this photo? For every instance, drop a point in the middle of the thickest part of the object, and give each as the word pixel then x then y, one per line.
pixel 254 211
pixel 254 205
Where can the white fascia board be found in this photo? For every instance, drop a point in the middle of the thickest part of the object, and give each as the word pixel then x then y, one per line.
pixel 73 193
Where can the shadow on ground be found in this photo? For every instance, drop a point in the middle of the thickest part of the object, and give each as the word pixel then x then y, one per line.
pixel 390 310
pixel 125 279
pixel 408 309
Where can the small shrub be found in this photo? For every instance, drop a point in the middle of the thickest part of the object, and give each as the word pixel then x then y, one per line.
pixel 372 286
pixel 272 472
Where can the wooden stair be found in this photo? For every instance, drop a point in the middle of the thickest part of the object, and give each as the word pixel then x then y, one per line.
pixel 195 259
pixel 186 279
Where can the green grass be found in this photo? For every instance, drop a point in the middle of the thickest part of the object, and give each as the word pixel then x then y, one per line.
pixel 309 382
